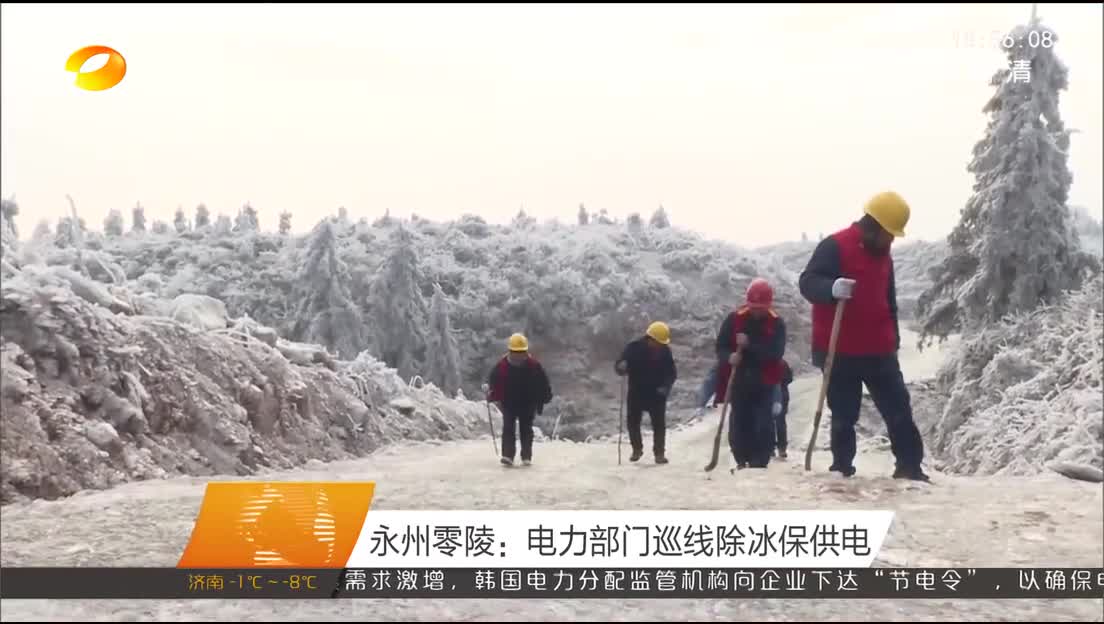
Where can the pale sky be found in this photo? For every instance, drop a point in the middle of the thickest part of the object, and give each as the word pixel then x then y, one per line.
pixel 749 123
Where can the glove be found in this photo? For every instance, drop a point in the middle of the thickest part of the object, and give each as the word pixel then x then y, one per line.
pixel 741 340
pixel 776 409
pixel 662 391
pixel 842 288
pixel 734 359
pixel 621 368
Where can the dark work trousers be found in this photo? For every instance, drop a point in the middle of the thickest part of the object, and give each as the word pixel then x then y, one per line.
pixel 514 422
pixel 882 377
pixel 657 411
pixel 751 427
pixel 780 437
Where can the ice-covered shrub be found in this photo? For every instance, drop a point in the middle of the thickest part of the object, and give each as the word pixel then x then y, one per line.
pixel 1027 392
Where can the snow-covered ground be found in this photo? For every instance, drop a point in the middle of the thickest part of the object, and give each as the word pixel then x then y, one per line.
pixel 1043 520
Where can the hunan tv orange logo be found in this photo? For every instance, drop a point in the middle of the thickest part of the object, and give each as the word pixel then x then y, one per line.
pixel 103 78
pixel 256 524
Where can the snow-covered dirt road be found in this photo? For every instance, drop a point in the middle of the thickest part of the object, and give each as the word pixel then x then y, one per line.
pixel 958 521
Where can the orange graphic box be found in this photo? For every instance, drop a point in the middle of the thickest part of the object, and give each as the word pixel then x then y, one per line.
pixel 283 524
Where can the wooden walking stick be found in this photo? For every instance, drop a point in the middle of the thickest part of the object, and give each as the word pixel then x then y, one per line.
pixel 824 382
pixel 620 420
pixel 720 427
pixel 490 420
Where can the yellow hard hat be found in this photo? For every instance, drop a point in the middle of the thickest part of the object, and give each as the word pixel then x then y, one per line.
pixel 518 343
pixel 890 211
pixel 659 332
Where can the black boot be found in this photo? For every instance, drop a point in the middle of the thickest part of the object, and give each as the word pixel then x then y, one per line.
pixel 847 471
pixel 636 455
pixel 660 458
pixel 912 474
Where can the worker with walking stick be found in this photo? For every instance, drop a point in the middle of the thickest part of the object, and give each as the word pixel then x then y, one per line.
pixel 858 344
pixel 519 387
pixel 750 346
pixel 650 367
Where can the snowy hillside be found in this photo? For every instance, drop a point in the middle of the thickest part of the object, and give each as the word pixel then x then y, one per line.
pixel 94 395
pixel 579 292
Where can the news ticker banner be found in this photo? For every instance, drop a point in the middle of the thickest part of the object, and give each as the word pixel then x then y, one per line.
pixel 553 583
pixel 329 525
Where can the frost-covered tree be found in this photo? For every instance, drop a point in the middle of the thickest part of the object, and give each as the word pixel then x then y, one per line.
pixel 180 222
pixel 246 221
pixel 1013 248
pixel 68 232
pixel 202 217
pixel 398 308
pixel 113 223
pixel 635 221
pixel 138 219
pixel 159 227
pixel 523 221
pixel 442 352
pixel 384 221
pixel 342 215
pixel 8 233
pixel 603 217
pixel 584 216
pixel 659 218
pixel 285 222
pixel 1088 229
pixel 42 231
pixel 223 225
pixel 326 313
pixel 804 237
pixel 8 210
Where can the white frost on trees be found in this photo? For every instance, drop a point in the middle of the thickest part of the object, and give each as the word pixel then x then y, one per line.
pixel 584 217
pixel 1026 392
pixel 8 211
pixel 113 223
pixel 42 231
pixel 385 221
pixel 635 222
pixel 398 309
pixel 1013 248
pixel 327 314
pixel 67 234
pixel 246 221
pixel 180 222
pixel 442 352
pixel 9 237
pixel 285 223
pixel 523 221
pixel 659 218
pixel 202 216
pixel 223 225
pixel 159 227
pixel 138 219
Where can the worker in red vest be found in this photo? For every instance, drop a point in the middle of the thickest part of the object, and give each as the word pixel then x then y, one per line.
pixel 752 340
pixel 518 385
pixel 855 264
